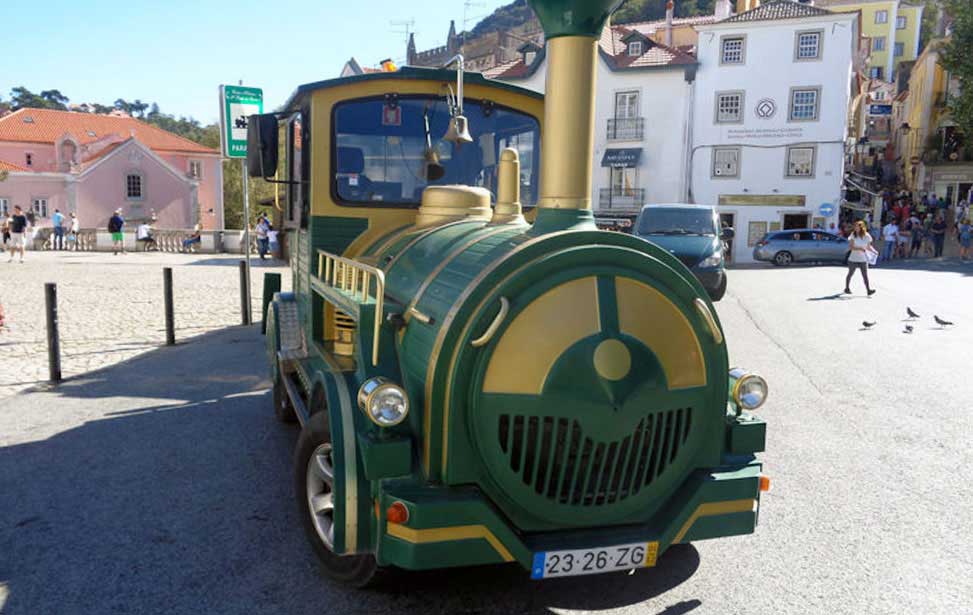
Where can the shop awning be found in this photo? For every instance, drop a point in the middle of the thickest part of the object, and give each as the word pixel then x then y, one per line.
pixel 622 157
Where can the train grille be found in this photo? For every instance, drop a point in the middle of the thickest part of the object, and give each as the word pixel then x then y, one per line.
pixel 555 458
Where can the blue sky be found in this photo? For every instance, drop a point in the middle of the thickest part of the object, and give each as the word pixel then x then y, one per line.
pixel 177 52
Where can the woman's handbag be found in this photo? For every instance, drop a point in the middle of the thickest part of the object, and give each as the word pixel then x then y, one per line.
pixel 871 255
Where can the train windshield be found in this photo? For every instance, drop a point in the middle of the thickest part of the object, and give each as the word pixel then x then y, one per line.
pixel 381 151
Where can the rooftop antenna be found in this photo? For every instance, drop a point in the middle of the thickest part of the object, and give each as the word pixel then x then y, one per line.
pixel 405 27
pixel 467 18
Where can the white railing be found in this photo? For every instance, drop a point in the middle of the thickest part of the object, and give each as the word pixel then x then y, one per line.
pixel 355 279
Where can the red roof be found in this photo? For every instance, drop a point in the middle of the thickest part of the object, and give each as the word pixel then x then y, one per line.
pixel 512 69
pixel 48 125
pixel 9 166
pixel 653 53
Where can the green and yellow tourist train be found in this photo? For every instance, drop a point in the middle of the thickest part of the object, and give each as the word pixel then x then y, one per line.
pixel 481 376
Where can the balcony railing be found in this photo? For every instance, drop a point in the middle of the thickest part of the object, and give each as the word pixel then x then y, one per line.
pixel 620 200
pixel 625 129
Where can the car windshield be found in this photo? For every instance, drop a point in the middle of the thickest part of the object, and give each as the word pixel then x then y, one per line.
pixel 381 151
pixel 677 221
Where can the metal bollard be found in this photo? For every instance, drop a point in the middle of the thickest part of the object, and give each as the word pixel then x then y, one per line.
pixel 170 312
pixel 271 287
pixel 244 294
pixel 53 337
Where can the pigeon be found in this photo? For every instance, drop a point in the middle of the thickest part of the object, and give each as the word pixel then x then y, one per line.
pixel 911 314
pixel 940 321
pixel 908 329
pixel 868 325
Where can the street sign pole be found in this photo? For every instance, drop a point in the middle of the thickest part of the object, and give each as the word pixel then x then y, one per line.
pixel 246 229
pixel 237 104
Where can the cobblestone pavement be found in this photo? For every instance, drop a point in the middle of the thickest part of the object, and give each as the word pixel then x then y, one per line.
pixel 111 307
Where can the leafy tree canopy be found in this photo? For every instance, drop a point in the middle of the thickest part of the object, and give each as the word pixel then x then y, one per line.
pixel 957 59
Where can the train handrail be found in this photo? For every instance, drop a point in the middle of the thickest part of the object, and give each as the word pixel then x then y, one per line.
pixel 355 278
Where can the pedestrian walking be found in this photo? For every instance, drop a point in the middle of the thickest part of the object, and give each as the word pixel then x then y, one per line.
pixel 272 240
pixel 5 231
pixel 18 233
pixel 115 225
pixel 917 235
pixel 263 242
pixel 965 228
pixel 890 237
pixel 860 245
pixel 75 229
pixel 938 231
pixel 57 220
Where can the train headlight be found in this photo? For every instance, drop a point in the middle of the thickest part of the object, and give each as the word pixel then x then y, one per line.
pixel 383 401
pixel 749 391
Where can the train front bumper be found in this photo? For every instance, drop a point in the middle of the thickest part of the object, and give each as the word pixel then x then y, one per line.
pixel 461 527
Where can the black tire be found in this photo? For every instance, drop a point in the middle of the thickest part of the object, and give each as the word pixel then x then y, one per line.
pixel 350 570
pixel 717 293
pixel 283 409
pixel 783 258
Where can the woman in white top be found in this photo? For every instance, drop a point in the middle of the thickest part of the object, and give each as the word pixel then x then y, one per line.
pixel 859 242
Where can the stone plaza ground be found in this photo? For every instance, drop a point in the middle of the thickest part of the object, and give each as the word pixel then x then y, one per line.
pixel 163 483
pixel 111 307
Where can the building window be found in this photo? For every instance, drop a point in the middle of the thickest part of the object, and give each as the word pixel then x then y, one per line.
pixel 900 22
pixel 732 50
pixel 196 169
pixel 39 206
pixel 4 207
pixel 808 46
pixel 626 105
pixel 29 159
pixel 804 104
pixel 800 161
pixel 875 72
pixel 898 50
pixel 529 57
pixel 729 107
pixel 726 162
pixel 878 43
pixel 881 16
pixel 133 186
pixel 635 48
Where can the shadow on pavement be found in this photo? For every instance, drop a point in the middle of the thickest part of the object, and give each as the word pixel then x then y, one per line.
pixel 163 484
pixel 227 261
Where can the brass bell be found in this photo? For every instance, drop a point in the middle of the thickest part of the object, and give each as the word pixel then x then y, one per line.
pixel 459 130
pixel 432 168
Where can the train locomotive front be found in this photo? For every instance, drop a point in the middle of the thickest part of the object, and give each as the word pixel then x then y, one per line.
pixel 542 392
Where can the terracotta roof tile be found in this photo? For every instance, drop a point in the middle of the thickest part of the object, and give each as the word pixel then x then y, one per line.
pixel 47 125
pixel 9 166
pixel 778 9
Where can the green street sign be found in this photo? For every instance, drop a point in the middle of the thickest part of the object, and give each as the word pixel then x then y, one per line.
pixel 237 103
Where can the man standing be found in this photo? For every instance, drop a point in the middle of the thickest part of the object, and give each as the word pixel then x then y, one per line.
pixel 115 225
pixel 58 221
pixel 263 242
pixel 938 232
pixel 18 233
pixel 890 236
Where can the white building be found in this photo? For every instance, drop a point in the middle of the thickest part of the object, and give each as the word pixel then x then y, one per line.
pixel 769 118
pixel 641 117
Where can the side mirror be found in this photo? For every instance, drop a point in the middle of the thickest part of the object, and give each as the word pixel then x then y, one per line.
pixel 727 234
pixel 262 135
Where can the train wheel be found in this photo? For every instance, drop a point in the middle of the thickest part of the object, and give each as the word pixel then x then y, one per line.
pixel 314 482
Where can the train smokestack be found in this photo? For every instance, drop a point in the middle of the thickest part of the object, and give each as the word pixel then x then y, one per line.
pixel 572 29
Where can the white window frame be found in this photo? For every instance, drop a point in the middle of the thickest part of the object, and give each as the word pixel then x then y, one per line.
pixel 4 206
pixel 742 51
pixel 817 103
pixel 128 195
pixel 819 35
pixel 901 22
pixel 39 205
pixel 787 162
pixel 632 109
pixel 620 173
pixel 196 173
pixel 878 43
pixel 716 172
pixel 716 110
pixel 635 48
pixel 881 16
pixel 898 50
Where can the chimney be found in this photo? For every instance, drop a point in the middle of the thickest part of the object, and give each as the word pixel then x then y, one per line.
pixel 668 34
pixel 724 8
pixel 572 28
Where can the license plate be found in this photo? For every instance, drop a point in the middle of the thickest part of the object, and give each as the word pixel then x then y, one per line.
pixel 593 561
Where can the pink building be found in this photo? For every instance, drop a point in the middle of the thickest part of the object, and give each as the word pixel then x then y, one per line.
pixel 93 164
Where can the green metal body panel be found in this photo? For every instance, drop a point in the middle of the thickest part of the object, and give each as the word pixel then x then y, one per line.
pixel 747 434
pixel 385 456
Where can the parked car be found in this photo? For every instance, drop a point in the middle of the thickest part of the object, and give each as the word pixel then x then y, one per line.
pixel 692 234
pixel 801 246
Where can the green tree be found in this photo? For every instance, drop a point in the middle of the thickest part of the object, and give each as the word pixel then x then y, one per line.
pixel 21 98
pixel 958 60
pixel 55 99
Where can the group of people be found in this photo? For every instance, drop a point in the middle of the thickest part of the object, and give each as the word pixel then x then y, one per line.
pixel 18 227
pixel 915 227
